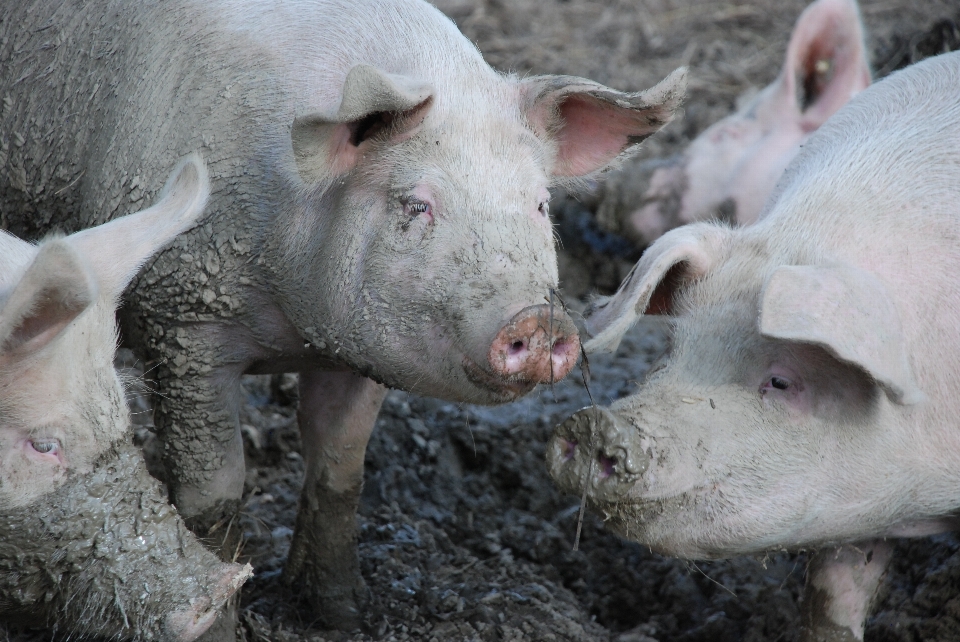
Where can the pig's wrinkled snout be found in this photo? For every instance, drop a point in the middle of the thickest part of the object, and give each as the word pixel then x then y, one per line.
pixel 190 623
pixel 597 451
pixel 539 344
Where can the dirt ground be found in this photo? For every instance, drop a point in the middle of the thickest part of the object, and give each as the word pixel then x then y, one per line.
pixel 463 536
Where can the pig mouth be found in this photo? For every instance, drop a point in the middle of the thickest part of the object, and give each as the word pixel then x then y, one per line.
pixel 504 389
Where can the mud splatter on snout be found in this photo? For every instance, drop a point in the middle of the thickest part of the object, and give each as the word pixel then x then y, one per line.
pixel 107 555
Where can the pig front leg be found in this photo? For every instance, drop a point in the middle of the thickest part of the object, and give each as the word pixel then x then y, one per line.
pixel 198 394
pixel 337 414
pixel 841 585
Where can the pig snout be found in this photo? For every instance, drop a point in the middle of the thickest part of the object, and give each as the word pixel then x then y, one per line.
pixel 598 452
pixel 539 344
pixel 190 623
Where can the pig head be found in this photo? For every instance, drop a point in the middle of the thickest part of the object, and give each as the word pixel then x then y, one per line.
pixel 810 396
pixel 720 451
pixel 426 223
pixel 88 542
pixel 730 169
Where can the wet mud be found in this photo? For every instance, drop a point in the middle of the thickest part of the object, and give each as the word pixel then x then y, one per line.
pixel 462 536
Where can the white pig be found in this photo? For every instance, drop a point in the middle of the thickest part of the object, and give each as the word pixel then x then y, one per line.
pixel 729 170
pixel 812 395
pixel 378 217
pixel 88 542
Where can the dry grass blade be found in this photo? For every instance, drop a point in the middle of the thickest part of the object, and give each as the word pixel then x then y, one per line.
pixel 583 505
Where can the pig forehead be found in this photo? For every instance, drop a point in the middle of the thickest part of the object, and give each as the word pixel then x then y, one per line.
pixel 492 139
pixel 479 161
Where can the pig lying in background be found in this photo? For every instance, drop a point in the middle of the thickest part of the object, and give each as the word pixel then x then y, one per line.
pixel 729 170
pixel 812 395
pixel 378 217
pixel 88 543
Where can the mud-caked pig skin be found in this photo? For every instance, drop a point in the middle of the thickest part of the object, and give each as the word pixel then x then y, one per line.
pixel 730 169
pixel 811 395
pixel 89 543
pixel 379 216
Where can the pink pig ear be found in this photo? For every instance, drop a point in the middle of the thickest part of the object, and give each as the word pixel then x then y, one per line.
pixel 594 125
pixel 846 311
pixel 676 259
pixel 55 290
pixel 826 62
pixel 374 103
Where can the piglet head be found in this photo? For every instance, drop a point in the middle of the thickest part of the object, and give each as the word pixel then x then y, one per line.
pixel 61 403
pixel 81 514
pixel 430 264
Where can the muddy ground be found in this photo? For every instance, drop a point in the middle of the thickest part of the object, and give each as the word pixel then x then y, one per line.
pixel 463 537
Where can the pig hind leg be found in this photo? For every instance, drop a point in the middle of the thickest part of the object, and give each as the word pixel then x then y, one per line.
pixel 337 413
pixel 841 586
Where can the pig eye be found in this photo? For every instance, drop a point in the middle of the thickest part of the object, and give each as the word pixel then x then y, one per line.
pixel 779 383
pixel 776 383
pixel 414 208
pixel 45 446
pixel 544 208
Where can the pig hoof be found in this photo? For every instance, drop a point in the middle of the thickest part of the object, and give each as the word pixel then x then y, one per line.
pixel 341 612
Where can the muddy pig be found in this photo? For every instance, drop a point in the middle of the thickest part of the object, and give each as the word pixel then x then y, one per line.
pixel 729 170
pixel 378 217
pixel 811 395
pixel 89 544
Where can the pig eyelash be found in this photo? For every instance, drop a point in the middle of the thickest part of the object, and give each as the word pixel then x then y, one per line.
pixel 544 208
pixel 45 446
pixel 413 208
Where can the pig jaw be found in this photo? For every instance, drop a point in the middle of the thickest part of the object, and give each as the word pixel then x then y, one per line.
pixel 68 558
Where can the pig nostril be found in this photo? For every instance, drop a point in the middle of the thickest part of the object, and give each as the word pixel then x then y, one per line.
pixel 516 348
pixel 607 465
pixel 569 449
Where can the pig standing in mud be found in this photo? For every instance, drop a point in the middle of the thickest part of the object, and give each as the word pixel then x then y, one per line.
pixel 378 217
pixel 729 170
pixel 812 395
pixel 88 542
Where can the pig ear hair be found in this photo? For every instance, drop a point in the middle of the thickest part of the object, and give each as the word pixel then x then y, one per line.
pixel 592 125
pixel 826 61
pixel 846 311
pixel 372 102
pixel 56 288
pixel 117 250
pixel 677 258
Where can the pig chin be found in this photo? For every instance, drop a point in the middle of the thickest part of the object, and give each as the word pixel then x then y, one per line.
pixel 672 527
pixel 494 388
